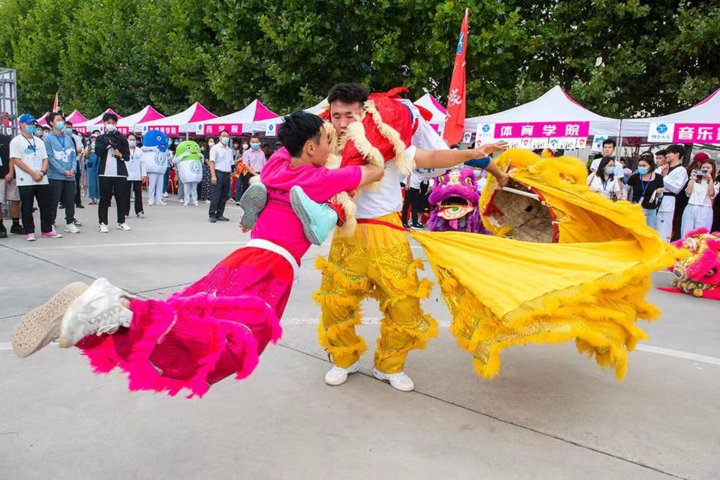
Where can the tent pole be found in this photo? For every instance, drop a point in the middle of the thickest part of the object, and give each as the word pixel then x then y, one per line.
pixel 618 153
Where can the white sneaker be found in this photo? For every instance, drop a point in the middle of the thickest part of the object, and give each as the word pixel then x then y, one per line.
pixel 165 195
pixel 150 204
pixel 71 228
pixel 103 228
pixel 196 204
pixel 185 204
pixel 124 226
pixel 162 202
pixel 338 375
pixel 399 381
pixel 96 312
pixel 140 215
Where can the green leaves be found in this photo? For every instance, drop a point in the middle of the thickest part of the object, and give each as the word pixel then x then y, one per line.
pixel 618 58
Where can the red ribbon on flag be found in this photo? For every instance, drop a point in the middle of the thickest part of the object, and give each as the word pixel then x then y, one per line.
pixel 55 103
pixel 455 119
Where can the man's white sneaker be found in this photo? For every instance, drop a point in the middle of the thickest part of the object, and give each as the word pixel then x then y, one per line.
pixel 103 228
pixel 124 226
pixel 399 381
pixel 338 375
pixel 140 215
pixel 162 202
pixel 71 228
pixel 97 311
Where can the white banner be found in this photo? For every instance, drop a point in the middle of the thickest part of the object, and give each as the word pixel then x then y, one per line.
pixel 271 129
pixel 597 142
pixel 485 134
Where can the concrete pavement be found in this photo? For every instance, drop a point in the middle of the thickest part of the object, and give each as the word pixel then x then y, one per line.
pixel 549 414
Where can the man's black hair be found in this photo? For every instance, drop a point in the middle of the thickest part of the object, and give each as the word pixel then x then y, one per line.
pixel 662 152
pixel 610 141
pixel 348 93
pixel 255 135
pixel 298 128
pixel 676 148
pixel 110 116
pixel 51 117
pixel 68 124
pixel 95 131
pixel 224 130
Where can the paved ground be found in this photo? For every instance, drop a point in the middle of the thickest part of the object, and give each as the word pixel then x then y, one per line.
pixel 550 414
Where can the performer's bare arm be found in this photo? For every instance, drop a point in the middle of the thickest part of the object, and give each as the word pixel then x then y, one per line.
pixel 450 158
pixel 370 174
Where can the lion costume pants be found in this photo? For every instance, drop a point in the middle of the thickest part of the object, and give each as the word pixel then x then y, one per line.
pixel 374 262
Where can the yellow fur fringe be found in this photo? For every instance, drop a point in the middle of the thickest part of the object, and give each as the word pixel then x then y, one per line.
pixel 404 163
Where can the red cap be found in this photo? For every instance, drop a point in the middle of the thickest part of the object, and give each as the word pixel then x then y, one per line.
pixel 701 157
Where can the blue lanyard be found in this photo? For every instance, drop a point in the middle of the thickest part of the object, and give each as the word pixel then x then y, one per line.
pixel 61 139
pixel 32 145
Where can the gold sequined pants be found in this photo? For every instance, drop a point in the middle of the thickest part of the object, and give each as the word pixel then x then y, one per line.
pixel 375 262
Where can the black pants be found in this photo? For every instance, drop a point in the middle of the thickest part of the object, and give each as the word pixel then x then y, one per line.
pixel 219 194
pixel 63 191
pixel 78 183
pixel 109 186
pixel 414 199
pixel 43 195
pixel 134 186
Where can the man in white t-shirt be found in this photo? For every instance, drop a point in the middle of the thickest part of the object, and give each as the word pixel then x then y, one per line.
pixel 608 150
pixel 29 160
pixel 221 162
pixel 377 261
pixel 675 177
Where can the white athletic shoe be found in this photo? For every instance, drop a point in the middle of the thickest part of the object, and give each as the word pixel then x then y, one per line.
pixel 71 228
pixel 162 202
pixel 140 215
pixel 399 381
pixel 165 195
pixel 150 204
pixel 186 204
pixel 196 204
pixel 96 312
pixel 103 228
pixel 124 226
pixel 338 375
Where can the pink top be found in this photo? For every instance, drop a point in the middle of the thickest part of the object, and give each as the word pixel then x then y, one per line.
pixel 278 223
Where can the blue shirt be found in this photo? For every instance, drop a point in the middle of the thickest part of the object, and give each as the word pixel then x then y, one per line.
pixel 61 156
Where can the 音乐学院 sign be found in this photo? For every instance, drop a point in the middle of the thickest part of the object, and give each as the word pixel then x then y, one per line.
pixel 665 132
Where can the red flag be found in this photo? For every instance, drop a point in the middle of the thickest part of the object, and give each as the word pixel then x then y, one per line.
pixel 55 103
pixel 455 120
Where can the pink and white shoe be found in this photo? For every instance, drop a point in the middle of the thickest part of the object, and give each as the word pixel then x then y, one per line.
pixel 30 237
pixel 51 235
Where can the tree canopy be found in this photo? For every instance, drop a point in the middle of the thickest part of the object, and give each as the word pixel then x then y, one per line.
pixel 618 58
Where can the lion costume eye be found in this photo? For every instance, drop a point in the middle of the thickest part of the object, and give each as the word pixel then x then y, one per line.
pixel 469 181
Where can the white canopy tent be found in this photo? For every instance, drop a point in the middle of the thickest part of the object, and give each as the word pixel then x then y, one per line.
pixel 171 125
pixel 555 106
pixel 698 124
pixel 431 104
pixel 253 117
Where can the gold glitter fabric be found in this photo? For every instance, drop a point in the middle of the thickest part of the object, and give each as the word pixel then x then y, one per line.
pixel 374 262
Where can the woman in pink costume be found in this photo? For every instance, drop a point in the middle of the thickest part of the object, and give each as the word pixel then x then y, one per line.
pixel 219 325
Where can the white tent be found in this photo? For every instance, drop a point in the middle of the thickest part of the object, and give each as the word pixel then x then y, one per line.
pixel 253 118
pixel 554 108
pixel 698 124
pixel 94 123
pixel 171 125
pixel 126 124
pixel 431 104
pixel 318 109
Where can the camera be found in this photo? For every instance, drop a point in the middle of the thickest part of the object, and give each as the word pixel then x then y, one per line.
pixel 699 174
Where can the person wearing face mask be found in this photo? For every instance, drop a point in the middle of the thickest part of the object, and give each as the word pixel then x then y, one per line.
pixel 9 190
pixel 30 166
pixel 647 187
pixel 254 158
pixel 62 156
pixel 113 153
pixel 205 185
pixel 603 180
pixel 92 169
pixel 136 173
pixel 221 160
pixel 80 160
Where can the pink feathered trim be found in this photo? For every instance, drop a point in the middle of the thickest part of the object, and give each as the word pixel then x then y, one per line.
pixel 153 319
